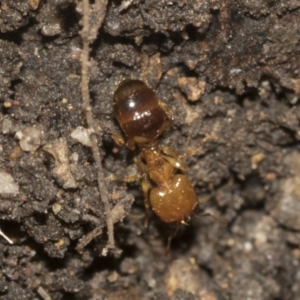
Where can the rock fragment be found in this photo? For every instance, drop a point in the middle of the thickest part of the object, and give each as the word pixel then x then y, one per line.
pixel 192 87
pixel 287 207
pixel 7 184
pixel 81 135
pixel 30 138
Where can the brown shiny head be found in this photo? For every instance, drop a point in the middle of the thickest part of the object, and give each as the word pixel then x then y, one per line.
pixel 138 111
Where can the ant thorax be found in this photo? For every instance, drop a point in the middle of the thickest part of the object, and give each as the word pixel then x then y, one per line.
pixel 159 170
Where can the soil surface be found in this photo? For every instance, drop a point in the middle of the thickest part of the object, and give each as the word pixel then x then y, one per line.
pixel 226 68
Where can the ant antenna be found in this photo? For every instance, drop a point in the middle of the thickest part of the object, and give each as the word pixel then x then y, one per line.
pixel 188 140
pixel 170 238
pixel 223 222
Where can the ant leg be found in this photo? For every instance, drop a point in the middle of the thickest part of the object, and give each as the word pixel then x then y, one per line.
pixel 170 238
pixel 146 188
pixel 132 178
pixel 167 124
pixel 118 139
pixel 140 165
pixel 169 115
pixel 194 149
pixel 174 158
pixel 224 223
pixel 127 179
pixel 167 111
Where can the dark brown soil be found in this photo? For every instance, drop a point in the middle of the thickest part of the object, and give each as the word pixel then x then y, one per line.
pixel 227 68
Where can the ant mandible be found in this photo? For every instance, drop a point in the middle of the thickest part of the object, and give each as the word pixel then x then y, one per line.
pixel 143 118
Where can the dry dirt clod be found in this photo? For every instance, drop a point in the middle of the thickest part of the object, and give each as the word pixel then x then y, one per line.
pixel 34 4
pixel 62 171
pixel 192 87
pixel 287 206
pixel 81 135
pixel 184 274
pixel 30 138
pixel 8 185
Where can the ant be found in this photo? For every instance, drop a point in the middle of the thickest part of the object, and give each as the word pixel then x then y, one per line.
pixel 143 118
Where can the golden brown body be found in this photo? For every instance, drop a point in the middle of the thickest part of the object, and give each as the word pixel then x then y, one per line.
pixel 143 118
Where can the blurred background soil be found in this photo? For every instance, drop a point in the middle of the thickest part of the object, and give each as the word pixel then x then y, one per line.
pixel 227 68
